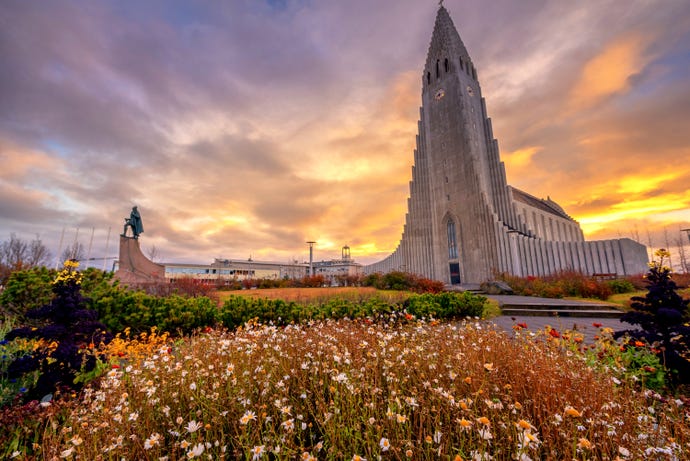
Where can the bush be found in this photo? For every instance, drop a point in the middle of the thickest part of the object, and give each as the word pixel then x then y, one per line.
pixel 662 314
pixel 447 305
pixel 559 285
pixel 237 309
pixel 27 289
pixel 71 329
pixel 621 286
pixel 402 281
pixel 120 308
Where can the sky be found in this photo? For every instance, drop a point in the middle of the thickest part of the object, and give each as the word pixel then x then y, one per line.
pixel 245 128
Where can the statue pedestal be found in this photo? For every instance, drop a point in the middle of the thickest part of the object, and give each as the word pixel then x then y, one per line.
pixel 135 268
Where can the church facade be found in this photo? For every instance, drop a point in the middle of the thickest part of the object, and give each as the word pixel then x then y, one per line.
pixel 464 222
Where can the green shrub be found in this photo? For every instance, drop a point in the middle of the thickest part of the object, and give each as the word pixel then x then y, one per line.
pixel 446 305
pixel 237 309
pixel 120 308
pixel 27 289
pixel 402 281
pixel 621 286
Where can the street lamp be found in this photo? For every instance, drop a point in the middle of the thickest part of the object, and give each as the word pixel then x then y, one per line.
pixel 311 258
pixel 687 232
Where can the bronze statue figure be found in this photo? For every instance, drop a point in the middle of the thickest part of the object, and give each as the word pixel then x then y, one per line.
pixel 134 222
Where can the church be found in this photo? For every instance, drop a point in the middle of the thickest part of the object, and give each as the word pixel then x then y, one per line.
pixel 464 223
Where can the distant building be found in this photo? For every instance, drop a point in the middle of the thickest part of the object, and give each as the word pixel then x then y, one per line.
pixel 464 222
pixel 335 268
pixel 223 271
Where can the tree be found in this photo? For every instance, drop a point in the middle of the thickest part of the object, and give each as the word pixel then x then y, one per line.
pixel 662 315
pixel 153 253
pixel 681 252
pixel 17 254
pixel 74 252
pixel 69 330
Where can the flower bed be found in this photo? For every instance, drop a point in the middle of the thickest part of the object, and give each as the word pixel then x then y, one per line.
pixel 355 390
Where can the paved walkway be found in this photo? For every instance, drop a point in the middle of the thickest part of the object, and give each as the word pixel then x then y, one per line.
pixel 585 325
pixel 590 326
pixel 537 301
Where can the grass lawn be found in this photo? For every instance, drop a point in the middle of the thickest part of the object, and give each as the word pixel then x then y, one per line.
pixel 307 295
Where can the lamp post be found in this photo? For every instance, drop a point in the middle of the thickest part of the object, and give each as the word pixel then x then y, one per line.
pixel 311 258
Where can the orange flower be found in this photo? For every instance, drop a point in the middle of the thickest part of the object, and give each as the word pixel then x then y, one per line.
pixel 484 420
pixel 522 424
pixel 570 411
pixel 464 423
pixel 584 443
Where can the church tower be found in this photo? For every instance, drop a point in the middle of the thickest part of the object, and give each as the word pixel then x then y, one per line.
pixel 464 223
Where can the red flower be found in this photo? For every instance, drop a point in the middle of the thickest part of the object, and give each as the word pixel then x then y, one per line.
pixel 554 333
pixel 596 325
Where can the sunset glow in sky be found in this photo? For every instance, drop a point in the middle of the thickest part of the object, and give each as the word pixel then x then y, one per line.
pixel 249 127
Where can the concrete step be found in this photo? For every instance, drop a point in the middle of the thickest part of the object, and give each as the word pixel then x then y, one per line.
pixel 560 311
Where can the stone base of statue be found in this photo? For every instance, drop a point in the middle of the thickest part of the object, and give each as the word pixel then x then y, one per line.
pixel 135 268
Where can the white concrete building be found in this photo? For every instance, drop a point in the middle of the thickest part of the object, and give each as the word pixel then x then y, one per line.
pixel 464 222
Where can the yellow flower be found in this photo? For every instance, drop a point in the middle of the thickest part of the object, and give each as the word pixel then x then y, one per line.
pixel 484 420
pixel 464 423
pixel 489 366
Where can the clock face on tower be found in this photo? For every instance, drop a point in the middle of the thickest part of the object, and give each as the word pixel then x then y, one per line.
pixel 440 94
pixel 470 91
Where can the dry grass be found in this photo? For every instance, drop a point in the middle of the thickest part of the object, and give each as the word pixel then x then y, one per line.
pixel 316 295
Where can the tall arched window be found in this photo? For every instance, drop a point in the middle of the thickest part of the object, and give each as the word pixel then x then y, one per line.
pixel 428 78
pixel 445 65
pixel 462 65
pixel 452 240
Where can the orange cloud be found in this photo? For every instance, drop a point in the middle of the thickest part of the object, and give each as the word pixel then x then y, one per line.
pixel 521 159
pixel 609 72
pixel 19 161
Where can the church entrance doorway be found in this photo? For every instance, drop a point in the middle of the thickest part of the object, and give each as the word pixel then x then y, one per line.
pixel 455 273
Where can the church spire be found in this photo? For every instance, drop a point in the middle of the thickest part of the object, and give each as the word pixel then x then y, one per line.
pixel 445 42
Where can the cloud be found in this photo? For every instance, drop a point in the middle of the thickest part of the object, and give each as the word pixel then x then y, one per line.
pixel 250 127
pixel 611 71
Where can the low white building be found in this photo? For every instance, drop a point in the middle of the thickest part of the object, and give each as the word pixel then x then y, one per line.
pixel 222 271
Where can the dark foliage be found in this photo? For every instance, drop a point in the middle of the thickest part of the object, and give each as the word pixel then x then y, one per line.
pixel 70 327
pixel 662 316
pixel 397 280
